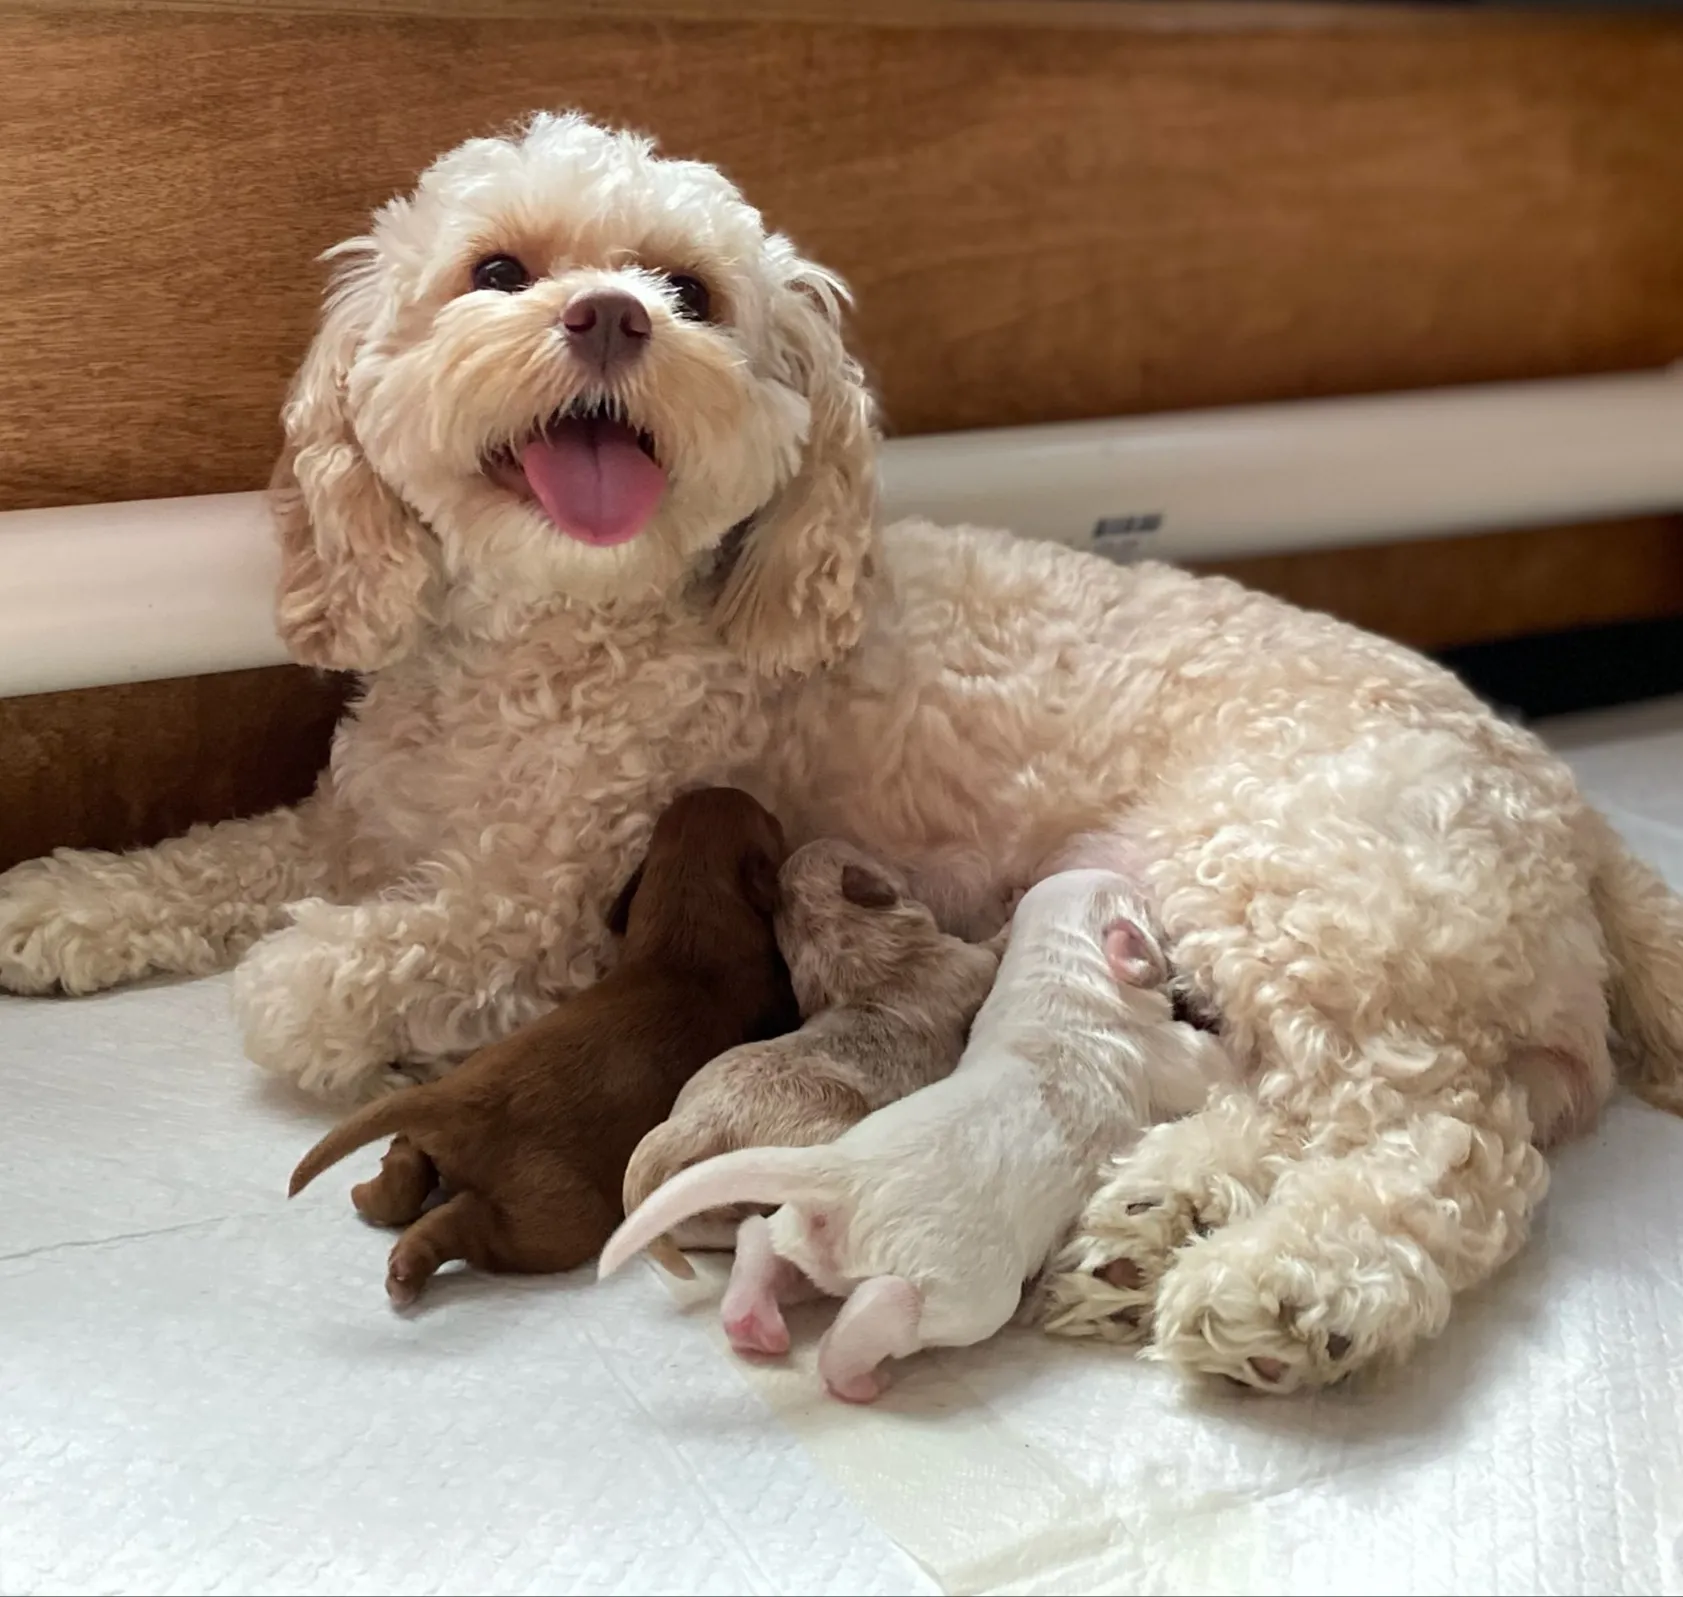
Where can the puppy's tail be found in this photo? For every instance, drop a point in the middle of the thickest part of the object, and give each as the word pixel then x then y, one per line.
pixel 750 1175
pixel 399 1111
pixel 1642 920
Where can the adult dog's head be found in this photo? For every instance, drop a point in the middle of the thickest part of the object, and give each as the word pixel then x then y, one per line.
pixel 566 368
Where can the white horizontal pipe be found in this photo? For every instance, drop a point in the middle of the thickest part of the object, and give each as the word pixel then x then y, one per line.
pixel 101 594
pixel 1268 479
pixel 97 594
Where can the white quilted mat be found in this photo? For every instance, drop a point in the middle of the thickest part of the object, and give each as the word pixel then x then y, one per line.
pixel 201 1389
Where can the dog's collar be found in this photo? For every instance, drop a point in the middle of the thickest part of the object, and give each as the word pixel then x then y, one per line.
pixel 714 568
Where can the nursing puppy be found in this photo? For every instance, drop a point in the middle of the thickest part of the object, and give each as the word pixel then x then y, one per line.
pixel 887 997
pixel 930 1215
pixel 530 1136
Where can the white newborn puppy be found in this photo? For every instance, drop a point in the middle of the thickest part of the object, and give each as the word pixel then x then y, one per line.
pixel 931 1214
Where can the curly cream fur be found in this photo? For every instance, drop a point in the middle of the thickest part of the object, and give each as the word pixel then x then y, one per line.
pixel 1401 907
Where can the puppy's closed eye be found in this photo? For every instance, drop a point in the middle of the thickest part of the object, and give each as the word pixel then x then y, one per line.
pixel 866 889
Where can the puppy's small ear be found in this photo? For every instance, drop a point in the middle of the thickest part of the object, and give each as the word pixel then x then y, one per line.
pixel 1133 957
pixel 795 599
pixel 759 880
pixel 354 573
pixel 865 888
pixel 619 915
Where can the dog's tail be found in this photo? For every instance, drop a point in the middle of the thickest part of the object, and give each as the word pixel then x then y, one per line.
pixel 399 1111
pixel 1642 920
pixel 750 1175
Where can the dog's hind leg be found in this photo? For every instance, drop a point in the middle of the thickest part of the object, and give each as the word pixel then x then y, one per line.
pixel 879 1321
pixel 760 1283
pixel 397 1195
pixel 1355 1258
pixel 462 1227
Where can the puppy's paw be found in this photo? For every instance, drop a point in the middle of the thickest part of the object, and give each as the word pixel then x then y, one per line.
pixel 757 1329
pixel 1271 1306
pixel 866 1388
pixel 316 1011
pixel 400 1192
pixel 405 1280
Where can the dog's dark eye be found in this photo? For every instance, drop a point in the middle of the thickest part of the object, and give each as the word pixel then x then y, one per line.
pixel 501 274
pixel 695 299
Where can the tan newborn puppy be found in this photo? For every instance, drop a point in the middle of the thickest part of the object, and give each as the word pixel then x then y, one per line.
pixel 887 998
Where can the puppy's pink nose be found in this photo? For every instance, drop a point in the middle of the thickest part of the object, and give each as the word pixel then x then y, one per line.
pixel 606 328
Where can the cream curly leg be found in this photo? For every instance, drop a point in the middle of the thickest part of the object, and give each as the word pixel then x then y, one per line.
pixel 1181 1180
pixel 81 920
pixel 348 990
pixel 1354 1259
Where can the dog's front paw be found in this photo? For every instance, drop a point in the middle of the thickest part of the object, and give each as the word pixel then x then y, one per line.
pixel 1273 1306
pixel 75 923
pixel 1104 1281
pixel 316 1009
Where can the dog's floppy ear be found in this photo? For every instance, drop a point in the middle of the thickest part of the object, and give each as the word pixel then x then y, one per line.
pixel 759 880
pixel 353 572
pixel 795 598
pixel 619 915
pixel 862 886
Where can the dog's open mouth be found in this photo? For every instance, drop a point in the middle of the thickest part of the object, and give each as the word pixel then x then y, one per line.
pixel 595 475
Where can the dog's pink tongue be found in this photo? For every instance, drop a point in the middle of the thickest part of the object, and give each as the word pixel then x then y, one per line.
pixel 594 480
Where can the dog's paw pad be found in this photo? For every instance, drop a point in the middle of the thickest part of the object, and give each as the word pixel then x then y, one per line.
pixel 1123 1274
pixel 759 1331
pixel 865 1388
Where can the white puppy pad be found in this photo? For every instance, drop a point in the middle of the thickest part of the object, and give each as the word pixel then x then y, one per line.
pixel 202 1388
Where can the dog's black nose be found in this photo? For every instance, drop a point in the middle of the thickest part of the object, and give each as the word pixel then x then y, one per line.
pixel 606 329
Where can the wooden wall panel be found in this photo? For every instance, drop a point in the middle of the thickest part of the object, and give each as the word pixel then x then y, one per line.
pixel 114 767
pixel 1040 223
pixel 1442 592
pixel 1133 16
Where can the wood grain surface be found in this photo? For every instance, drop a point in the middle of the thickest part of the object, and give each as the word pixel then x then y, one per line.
pixel 1444 592
pixel 114 767
pixel 1131 16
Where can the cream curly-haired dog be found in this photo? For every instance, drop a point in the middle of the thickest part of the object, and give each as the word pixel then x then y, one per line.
pixel 579 474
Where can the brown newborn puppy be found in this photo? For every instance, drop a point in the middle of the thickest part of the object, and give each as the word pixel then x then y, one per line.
pixel 530 1136
pixel 888 998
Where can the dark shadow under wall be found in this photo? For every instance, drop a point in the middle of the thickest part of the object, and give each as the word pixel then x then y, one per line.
pixel 1562 673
